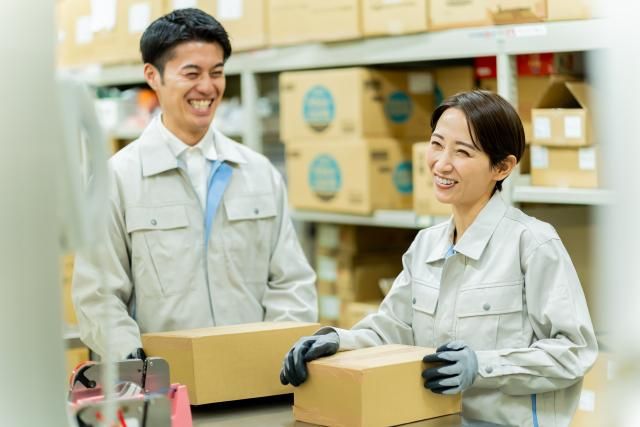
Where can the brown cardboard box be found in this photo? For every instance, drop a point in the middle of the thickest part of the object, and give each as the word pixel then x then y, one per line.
pixel 564 166
pixel 77 36
pixel 244 20
pixel 353 312
pixel 352 175
pixel 562 116
pixel 74 357
pixel 451 80
pixel 517 11
pixel 530 90
pixel 424 197
pixel 334 20
pixel 345 389
pixel 558 10
pixel 133 17
pixel 382 17
pixel 358 276
pixel 592 409
pixel 288 22
pixel 228 362
pixel 353 239
pixel 354 102
pixel 445 14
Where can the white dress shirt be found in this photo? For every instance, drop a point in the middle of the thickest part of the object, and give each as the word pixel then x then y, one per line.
pixel 196 158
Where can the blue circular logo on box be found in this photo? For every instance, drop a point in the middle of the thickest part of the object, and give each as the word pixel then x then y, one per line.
pixel 403 177
pixel 398 107
pixel 325 178
pixel 318 108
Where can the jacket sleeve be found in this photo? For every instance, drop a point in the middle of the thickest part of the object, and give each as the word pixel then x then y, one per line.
pixel 102 288
pixel 565 346
pixel 291 292
pixel 391 324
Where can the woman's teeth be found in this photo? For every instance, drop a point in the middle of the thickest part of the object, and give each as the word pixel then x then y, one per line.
pixel 444 181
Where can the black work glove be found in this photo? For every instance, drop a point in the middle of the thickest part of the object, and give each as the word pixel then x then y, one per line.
pixel 294 369
pixel 458 372
pixel 138 353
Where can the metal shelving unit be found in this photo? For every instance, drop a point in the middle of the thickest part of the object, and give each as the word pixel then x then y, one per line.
pixel 502 41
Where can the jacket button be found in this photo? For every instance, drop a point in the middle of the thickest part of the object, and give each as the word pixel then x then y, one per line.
pixel 488 369
pixel 486 306
pixel 154 222
pixel 414 300
pixel 256 211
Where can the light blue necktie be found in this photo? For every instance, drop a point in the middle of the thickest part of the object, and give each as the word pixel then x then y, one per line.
pixel 218 181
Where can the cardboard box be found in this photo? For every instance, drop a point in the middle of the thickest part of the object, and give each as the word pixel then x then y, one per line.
pixel 517 11
pixel 358 388
pixel 451 80
pixel 564 167
pixel 227 363
pixel 76 46
pixel 244 20
pixel 358 276
pixel 592 408
pixel 558 10
pixel 74 357
pixel 444 14
pixel 334 20
pixel 288 22
pixel 133 17
pixel 354 102
pixel 353 239
pixel 353 312
pixel 562 116
pixel 424 197
pixel 383 17
pixel 352 176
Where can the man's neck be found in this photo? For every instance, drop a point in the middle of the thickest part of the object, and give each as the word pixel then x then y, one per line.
pixel 186 137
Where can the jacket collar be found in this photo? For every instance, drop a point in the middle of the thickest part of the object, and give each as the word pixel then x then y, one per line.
pixel 477 236
pixel 157 156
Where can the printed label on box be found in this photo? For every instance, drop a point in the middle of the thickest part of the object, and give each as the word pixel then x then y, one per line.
pixel 398 107
pixel 84 35
pixel 229 10
pixel 587 159
pixel 573 127
pixel 327 268
pixel 318 108
pixel 403 177
pixel 587 401
pixel 184 4
pixel 139 17
pixel 539 157
pixel 542 128
pixel 103 15
pixel 420 83
pixel 329 306
pixel 328 236
pixel 325 178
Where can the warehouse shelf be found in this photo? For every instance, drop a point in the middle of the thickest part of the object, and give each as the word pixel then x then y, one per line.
pixel 71 337
pixel 563 36
pixel 565 196
pixel 380 218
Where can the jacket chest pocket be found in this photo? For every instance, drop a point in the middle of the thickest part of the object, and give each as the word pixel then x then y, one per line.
pixel 424 302
pixel 490 317
pixel 165 253
pixel 247 237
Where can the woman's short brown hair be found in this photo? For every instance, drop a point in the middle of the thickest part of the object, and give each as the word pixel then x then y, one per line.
pixel 494 125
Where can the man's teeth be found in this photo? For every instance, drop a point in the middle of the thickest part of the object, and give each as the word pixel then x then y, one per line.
pixel 200 104
pixel 444 181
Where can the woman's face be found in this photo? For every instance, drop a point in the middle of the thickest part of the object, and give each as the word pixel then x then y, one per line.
pixel 462 173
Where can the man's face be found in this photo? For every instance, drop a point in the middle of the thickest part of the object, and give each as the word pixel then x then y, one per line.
pixel 190 89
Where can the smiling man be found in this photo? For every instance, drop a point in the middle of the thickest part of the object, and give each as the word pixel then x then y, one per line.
pixel 198 233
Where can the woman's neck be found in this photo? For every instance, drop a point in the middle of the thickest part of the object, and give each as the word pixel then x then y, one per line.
pixel 464 215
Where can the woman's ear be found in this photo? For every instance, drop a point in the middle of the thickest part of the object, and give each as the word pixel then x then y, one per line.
pixel 504 168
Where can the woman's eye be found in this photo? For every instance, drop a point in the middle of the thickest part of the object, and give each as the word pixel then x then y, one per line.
pixel 436 144
pixel 463 153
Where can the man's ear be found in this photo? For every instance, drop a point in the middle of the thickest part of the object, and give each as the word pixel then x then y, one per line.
pixel 152 76
pixel 503 169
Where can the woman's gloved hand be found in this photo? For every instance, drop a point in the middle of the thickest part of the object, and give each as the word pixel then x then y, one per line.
pixel 458 372
pixel 294 369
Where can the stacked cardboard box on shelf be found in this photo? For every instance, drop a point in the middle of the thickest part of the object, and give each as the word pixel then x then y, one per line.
pixel 348 135
pixel 563 153
pixel 350 261
pixel 593 409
